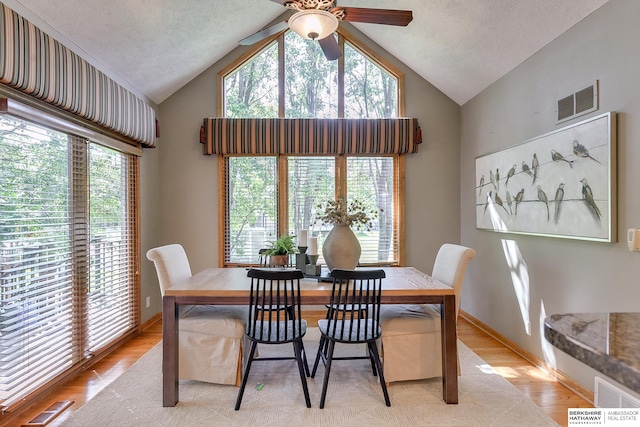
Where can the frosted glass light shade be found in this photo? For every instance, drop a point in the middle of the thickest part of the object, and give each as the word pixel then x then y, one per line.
pixel 313 24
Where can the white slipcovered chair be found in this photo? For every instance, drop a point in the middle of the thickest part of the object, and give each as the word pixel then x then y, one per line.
pixel 411 334
pixel 211 337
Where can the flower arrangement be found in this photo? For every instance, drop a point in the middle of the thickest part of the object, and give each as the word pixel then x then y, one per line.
pixel 341 212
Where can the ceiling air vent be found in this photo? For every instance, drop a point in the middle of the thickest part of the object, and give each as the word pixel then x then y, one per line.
pixel 582 102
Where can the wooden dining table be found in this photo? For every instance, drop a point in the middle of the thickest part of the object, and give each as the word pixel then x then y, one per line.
pixel 230 286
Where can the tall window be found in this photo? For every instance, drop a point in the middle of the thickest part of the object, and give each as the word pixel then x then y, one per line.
pixel 68 248
pixel 369 90
pixel 251 90
pixel 269 196
pixel 252 212
pixel 310 81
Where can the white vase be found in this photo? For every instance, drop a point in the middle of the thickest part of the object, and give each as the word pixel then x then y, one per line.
pixel 341 248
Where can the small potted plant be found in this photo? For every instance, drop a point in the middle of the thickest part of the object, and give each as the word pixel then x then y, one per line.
pixel 280 250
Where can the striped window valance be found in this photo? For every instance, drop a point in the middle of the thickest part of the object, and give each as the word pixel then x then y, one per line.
pixel 38 65
pixel 310 136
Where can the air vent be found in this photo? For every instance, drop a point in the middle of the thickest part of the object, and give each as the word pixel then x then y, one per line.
pixel 608 395
pixel 578 103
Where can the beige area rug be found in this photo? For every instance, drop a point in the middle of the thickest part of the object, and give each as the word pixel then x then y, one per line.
pixel 354 397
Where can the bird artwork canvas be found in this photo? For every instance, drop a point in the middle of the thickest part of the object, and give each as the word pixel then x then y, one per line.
pixel 559 184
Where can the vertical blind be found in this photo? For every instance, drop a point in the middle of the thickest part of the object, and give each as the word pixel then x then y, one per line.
pixel 67 253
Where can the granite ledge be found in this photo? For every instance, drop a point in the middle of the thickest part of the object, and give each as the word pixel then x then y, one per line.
pixel 607 342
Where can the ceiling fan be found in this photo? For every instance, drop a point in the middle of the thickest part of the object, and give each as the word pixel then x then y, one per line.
pixel 318 19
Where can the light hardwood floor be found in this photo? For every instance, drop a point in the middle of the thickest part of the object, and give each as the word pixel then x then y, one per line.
pixel 537 385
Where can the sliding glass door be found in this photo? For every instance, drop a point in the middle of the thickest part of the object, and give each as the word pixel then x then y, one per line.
pixel 67 253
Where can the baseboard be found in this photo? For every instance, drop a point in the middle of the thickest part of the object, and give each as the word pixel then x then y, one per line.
pixel 152 321
pixel 560 376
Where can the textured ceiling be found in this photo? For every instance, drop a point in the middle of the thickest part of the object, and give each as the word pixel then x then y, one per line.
pixel 154 47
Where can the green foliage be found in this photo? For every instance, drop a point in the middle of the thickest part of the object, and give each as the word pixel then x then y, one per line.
pixel 252 198
pixel 370 92
pixel 252 90
pixel 108 201
pixel 311 82
pixel 34 182
pixel 284 245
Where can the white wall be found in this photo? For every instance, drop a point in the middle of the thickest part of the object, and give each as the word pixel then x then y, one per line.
pixel 563 275
pixel 187 210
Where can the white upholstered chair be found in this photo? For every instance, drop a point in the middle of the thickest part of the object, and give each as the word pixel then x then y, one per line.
pixel 411 337
pixel 211 337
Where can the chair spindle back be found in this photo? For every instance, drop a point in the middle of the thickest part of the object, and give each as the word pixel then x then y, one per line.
pixel 352 290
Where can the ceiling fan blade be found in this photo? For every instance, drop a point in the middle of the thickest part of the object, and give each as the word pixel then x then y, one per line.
pixel 263 34
pixel 330 47
pixel 377 16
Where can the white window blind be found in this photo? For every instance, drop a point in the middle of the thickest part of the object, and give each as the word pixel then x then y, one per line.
pixel 252 214
pixel 67 253
pixel 111 298
pixel 38 300
pixel 259 192
pixel 312 181
pixel 370 180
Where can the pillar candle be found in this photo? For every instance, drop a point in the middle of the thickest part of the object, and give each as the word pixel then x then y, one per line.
pixel 313 246
pixel 302 238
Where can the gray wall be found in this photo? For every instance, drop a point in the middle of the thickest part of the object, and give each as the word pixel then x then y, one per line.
pixel 185 210
pixel 149 229
pixel 563 275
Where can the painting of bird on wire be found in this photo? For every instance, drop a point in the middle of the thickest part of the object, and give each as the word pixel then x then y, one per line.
pixel 560 184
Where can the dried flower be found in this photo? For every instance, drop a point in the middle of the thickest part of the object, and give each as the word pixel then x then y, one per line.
pixel 352 213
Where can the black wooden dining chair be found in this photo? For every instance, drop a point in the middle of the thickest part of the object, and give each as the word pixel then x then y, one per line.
pixel 275 318
pixel 263 260
pixel 344 324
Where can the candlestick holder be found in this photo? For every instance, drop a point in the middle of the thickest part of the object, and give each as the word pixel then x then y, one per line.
pixel 301 259
pixel 312 268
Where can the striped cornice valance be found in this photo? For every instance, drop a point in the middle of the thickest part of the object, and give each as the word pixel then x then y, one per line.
pixel 38 65
pixel 310 136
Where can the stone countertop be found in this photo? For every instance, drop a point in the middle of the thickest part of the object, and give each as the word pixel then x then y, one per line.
pixel 608 342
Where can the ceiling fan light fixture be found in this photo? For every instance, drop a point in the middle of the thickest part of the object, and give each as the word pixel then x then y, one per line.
pixel 313 24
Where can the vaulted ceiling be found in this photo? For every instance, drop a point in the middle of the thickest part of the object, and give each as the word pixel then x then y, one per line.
pixel 154 47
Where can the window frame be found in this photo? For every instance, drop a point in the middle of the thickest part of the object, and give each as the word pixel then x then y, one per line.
pixel 283 208
pixel 343 37
pixel 341 160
